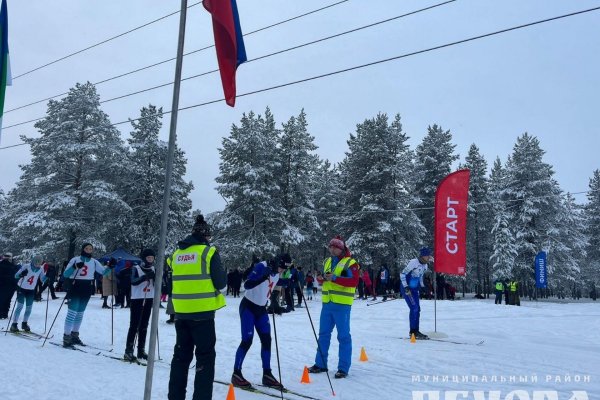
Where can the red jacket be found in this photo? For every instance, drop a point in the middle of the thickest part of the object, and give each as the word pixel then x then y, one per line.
pixel 351 281
pixel 366 278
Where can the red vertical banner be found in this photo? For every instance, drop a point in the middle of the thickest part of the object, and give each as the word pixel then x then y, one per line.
pixel 450 238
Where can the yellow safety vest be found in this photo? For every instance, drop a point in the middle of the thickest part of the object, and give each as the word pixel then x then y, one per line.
pixel 193 289
pixel 499 286
pixel 332 291
pixel 512 286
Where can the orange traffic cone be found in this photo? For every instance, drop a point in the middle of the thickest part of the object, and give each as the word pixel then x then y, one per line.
pixel 305 376
pixel 363 355
pixel 412 338
pixel 231 393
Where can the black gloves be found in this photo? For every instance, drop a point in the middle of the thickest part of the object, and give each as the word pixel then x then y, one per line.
pixel 150 274
pixel 80 264
pixel 267 272
pixel 23 273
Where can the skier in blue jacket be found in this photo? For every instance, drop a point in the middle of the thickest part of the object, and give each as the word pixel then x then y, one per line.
pixel 253 315
pixel 412 279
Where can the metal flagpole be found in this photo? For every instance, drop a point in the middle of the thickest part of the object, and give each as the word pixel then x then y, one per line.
pixel 434 299
pixel 166 200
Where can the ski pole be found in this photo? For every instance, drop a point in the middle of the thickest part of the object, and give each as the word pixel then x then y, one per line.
pixel 14 305
pixel 47 301
pixel 277 352
pixel 317 340
pixel 112 308
pixel 60 307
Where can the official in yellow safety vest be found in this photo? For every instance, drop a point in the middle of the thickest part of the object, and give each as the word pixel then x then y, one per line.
pixel 341 278
pixel 499 291
pixel 198 277
pixel 513 293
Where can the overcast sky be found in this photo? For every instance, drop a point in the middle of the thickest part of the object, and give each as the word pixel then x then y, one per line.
pixel 543 80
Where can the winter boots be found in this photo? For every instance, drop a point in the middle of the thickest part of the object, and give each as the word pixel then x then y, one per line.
pixel 269 380
pixel 238 380
pixel 340 374
pixel 171 319
pixel 315 369
pixel 75 339
pixel 418 335
pixel 14 328
pixel 25 326
pixel 142 354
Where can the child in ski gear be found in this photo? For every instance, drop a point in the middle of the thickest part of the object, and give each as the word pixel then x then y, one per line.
pixel 253 315
pixel 80 271
pixel 310 283
pixel 198 277
pixel 412 278
pixel 340 281
pixel 142 298
pixel 28 276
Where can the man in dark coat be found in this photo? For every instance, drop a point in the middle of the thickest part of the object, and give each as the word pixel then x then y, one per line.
pixel 8 283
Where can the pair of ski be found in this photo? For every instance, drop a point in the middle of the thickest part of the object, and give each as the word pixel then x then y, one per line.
pixel 266 390
pixel 477 343
pixel 29 335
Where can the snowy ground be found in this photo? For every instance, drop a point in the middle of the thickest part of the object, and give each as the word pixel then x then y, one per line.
pixel 552 346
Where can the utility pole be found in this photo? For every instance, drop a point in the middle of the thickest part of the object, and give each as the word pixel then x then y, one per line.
pixel 166 200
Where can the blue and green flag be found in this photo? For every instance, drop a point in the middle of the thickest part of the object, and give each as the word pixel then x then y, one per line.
pixel 5 77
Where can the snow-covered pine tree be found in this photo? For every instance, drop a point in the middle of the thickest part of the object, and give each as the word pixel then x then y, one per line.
pixel 298 166
pixel 142 187
pixel 3 229
pixel 248 182
pixel 591 270
pixel 376 178
pixel 66 193
pixel 479 221
pixel 534 200
pixel 504 250
pixel 433 162
pixel 566 246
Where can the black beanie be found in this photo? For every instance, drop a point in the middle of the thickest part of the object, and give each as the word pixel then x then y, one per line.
pixel 83 246
pixel 146 253
pixel 201 228
pixel 284 259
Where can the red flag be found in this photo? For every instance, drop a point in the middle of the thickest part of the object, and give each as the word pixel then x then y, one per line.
pixel 451 223
pixel 229 42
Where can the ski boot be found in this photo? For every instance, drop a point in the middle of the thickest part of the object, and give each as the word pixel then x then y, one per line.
pixel 75 339
pixel 269 380
pixel 142 354
pixel 67 341
pixel 128 356
pixel 315 369
pixel 25 326
pixel 238 380
pixel 14 328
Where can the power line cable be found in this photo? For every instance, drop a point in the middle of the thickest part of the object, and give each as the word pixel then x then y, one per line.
pixel 284 50
pixel 316 77
pixel 251 60
pixel 102 42
pixel 473 204
pixel 173 59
